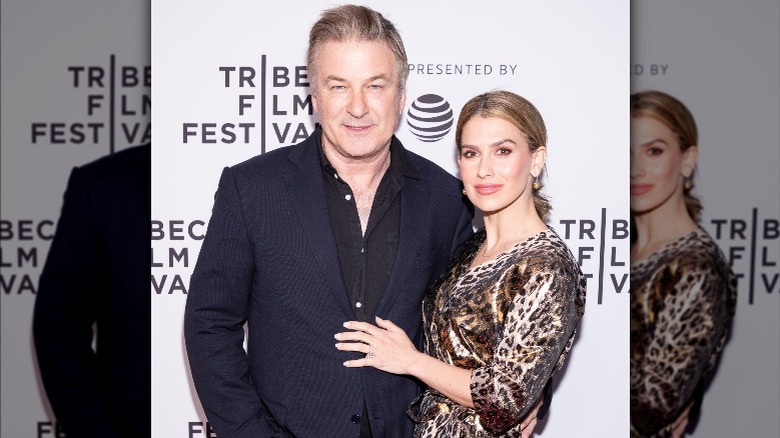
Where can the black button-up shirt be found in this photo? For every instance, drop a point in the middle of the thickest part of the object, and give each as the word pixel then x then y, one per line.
pixel 367 258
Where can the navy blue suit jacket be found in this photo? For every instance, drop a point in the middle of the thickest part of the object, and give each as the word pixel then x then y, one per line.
pixel 269 259
pixel 97 273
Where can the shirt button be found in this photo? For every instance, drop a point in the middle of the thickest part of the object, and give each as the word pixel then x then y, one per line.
pixel 362 250
pixel 358 304
pixel 348 197
pixel 336 175
pixel 355 419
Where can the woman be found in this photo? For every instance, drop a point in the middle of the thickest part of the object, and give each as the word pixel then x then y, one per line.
pixel 500 321
pixel 683 293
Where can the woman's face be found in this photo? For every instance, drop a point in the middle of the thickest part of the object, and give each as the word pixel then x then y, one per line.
pixel 658 165
pixel 496 165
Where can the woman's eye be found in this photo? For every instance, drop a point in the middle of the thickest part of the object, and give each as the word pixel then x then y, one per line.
pixel 503 151
pixel 655 151
pixel 468 154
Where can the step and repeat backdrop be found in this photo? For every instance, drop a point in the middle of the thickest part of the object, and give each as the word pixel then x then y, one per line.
pixel 76 86
pixel 231 83
pixel 722 60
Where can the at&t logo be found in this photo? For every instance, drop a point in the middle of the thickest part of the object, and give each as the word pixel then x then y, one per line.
pixel 430 118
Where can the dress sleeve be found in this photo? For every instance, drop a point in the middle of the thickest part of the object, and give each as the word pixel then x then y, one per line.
pixel 688 330
pixel 536 334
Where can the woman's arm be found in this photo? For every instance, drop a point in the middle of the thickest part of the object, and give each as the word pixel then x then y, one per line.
pixel 394 353
pixel 539 325
pixel 538 332
pixel 689 329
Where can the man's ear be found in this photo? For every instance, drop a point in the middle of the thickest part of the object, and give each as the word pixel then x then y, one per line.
pixel 314 102
pixel 402 102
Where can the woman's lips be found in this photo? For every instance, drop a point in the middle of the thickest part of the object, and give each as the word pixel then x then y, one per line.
pixel 640 189
pixel 487 189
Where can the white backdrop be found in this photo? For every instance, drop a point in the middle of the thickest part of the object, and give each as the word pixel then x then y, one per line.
pixel 568 57
pixel 722 59
pixel 50 50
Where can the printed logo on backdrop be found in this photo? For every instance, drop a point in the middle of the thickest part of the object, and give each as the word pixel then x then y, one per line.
pixel 113 102
pixel 176 236
pixel 112 106
pixel 25 244
pixel 649 69
pixel 599 246
pixel 461 69
pixel 751 244
pixel 272 107
pixel 49 429
pixel 430 118
pixel 595 242
pixel 199 429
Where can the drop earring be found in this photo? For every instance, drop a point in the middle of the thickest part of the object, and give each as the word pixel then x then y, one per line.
pixel 536 185
pixel 687 184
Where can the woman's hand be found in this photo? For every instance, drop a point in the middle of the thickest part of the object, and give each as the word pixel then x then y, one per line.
pixel 387 347
pixel 528 424
pixel 681 423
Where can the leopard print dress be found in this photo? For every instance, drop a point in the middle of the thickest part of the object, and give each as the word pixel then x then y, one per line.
pixel 683 298
pixel 512 321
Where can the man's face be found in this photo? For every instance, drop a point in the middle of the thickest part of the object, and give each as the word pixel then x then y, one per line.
pixel 357 98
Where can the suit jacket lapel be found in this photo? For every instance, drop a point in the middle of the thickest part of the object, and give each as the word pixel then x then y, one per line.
pixel 414 194
pixel 307 193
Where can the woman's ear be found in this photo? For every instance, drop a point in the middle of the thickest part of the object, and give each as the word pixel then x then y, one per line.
pixel 690 157
pixel 538 158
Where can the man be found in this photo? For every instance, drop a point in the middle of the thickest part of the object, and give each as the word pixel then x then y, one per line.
pixel 346 225
pixel 97 274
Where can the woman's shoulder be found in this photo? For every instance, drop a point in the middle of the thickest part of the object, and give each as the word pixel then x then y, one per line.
pixel 547 249
pixel 692 264
pixel 545 255
pixel 545 263
pixel 696 251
